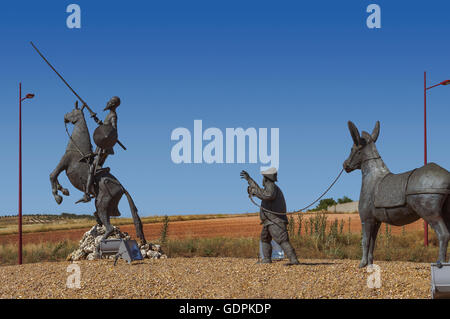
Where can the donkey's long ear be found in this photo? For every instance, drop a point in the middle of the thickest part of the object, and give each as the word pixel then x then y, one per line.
pixel 76 105
pixel 376 131
pixel 354 133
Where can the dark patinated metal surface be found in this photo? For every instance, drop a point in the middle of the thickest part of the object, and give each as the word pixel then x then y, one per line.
pixel 429 179
pixel 391 190
pixel 397 199
pixel 105 136
pixel 106 189
pixel 274 225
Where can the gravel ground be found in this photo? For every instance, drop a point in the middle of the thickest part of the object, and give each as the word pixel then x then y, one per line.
pixel 215 278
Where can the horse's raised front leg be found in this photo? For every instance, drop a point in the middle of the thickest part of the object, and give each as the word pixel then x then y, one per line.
pixel 54 181
pixel 63 190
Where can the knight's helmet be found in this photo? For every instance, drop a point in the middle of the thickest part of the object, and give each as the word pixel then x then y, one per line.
pixel 112 103
pixel 271 174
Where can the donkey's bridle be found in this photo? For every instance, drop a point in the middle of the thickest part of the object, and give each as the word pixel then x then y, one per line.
pixel 363 161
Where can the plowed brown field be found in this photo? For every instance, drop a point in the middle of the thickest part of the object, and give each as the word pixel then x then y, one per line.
pixel 219 227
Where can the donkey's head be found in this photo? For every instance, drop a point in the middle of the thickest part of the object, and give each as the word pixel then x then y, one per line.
pixel 74 116
pixel 363 147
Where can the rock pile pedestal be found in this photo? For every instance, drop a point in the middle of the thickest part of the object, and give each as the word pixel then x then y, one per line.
pixel 91 239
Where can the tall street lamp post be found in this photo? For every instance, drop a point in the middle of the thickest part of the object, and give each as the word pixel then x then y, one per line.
pixel 425 89
pixel 21 99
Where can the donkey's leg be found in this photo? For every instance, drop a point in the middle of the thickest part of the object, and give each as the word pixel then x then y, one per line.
pixel 54 179
pixel 373 238
pixel 429 207
pixel 366 225
pixel 443 235
pixel 446 214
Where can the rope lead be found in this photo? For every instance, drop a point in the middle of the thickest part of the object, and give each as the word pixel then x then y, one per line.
pixel 302 209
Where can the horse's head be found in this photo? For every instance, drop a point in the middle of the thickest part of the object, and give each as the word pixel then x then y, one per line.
pixel 363 147
pixel 74 116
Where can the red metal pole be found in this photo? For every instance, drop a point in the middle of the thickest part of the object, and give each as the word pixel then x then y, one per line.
pixel 425 224
pixel 20 173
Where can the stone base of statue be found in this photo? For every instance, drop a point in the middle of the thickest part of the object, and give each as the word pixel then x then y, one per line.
pixel 87 249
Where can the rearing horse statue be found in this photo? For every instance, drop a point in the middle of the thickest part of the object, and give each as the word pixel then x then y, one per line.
pixel 107 189
pixel 397 199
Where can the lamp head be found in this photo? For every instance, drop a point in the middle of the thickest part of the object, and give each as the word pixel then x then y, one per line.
pixel 29 96
pixel 446 82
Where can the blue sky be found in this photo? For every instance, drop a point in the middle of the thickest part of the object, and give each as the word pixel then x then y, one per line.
pixel 302 66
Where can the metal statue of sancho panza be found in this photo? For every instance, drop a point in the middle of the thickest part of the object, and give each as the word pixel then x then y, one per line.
pixel 397 199
pixel 83 166
pixel 272 214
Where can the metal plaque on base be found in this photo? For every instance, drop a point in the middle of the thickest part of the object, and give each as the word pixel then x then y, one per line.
pixel 125 249
pixel 440 281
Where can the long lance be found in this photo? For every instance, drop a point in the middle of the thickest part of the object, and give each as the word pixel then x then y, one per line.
pixel 92 113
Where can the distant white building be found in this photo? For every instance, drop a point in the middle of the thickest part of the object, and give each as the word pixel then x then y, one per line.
pixel 351 207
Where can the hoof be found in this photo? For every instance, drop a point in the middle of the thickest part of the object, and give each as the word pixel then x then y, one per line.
pixel 65 191
pixel 362 264
pixel 265 261
pixel 58 199
pixel 439 264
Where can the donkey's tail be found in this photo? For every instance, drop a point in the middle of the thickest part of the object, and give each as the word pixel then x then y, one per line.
pixel 136 218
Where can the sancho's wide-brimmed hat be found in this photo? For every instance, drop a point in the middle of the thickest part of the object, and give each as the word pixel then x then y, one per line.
pixel 270 173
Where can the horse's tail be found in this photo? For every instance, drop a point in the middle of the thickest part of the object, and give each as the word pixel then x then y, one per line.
pixel 136 218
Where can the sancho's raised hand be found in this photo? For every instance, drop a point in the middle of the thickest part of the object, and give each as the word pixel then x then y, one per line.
pixel 245 175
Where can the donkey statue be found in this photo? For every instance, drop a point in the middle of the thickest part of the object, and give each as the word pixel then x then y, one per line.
pixel 107 189
pixel 397 199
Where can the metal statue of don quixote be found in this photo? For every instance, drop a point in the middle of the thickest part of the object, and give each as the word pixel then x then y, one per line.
pixel 397 199
pixel 84 166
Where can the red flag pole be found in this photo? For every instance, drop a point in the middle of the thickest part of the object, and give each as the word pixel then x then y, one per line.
pixel 425 224
pixel 20 173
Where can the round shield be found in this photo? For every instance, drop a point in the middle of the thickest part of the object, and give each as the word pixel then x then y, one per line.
pixel 105 136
